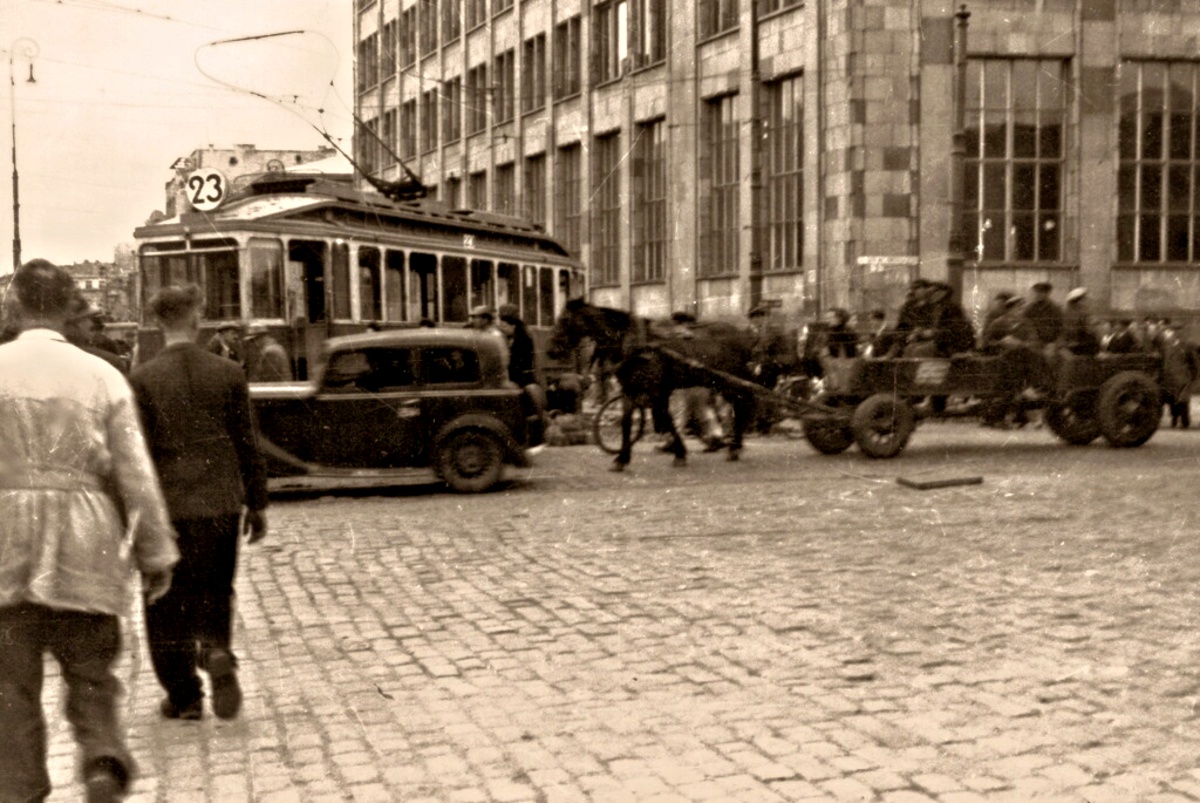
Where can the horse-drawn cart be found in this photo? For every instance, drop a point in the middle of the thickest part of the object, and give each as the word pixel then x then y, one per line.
pixel 878 403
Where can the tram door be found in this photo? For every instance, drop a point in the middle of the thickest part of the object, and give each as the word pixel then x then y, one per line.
pixel 311 318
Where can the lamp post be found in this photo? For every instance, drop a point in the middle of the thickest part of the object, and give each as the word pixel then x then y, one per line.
pixel 27 49
pixel 958 150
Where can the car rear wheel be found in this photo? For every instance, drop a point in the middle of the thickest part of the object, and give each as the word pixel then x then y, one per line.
pixel 471 460
pixel 882 425
pixel 1130 407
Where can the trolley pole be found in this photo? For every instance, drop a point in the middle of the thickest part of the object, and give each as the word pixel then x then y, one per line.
pixel 956 255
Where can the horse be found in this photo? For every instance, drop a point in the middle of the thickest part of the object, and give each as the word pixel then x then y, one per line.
pixel 654 364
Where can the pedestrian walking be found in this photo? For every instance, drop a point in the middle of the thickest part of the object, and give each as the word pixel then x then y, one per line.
pixel 266 359
pixel 227 342
pixel 81 508
pixel 522 367
pixel 199 425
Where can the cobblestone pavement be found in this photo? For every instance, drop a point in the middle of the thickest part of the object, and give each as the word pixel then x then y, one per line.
pixel 792 627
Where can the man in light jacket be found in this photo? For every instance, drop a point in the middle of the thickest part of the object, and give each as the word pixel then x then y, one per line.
pixel 80 506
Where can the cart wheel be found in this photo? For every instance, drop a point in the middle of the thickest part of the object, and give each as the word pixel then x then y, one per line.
pixel 882 425
pixel 606 426
pixel 1130 407
pixel 829 434
pixel 1075 422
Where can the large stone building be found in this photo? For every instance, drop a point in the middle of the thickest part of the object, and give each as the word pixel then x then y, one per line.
pixel 708 154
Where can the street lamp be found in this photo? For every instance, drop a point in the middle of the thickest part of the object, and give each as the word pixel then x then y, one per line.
pixel 27 49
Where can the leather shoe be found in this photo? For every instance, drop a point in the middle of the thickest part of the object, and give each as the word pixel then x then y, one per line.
pixel 226 693
pixel 190 712
pixel 104 783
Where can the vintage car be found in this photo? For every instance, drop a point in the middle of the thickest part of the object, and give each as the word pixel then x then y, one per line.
pixel 396 405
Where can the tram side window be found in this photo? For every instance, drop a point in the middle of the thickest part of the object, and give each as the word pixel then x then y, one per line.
pixel 482 283
pixel 546 295
pixel 370 292
pixel 529 294
pixel 454 288
pixel 219 278
pixel 423 300
pixel 393 286
pixel 341 282
pixel 266 279
pixel 508 284
pixel 311 254
pixel 566 291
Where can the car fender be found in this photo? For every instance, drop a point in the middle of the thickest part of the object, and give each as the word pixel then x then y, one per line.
pixel 279 461
pixel 514 453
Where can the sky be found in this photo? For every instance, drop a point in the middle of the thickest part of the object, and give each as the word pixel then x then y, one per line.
pixel 125 88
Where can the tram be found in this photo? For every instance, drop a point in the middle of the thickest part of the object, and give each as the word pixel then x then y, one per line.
pixel 311 258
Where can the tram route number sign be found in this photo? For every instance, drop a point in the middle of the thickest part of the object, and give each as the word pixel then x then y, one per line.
pixel 206 189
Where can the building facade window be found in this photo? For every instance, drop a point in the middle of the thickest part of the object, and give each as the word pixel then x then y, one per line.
pixel 650 203
pixel 568 63
pixel 504 189
pixel 771 6
pixel 1158 185
pixel 568 196
pixel 408 129
pixel 610 42
pixel 477 190
pixel 719 186
pixel 653 30
pixel 533 74
pixel 535 188
pixel 501 5
pixel 452 192
pixel 783 170
pixel 452 105
pixel 368 62
pixel 388 147
pixel 429 120
pixel 717 16
pixel 451 20
pixel 476 99
pixel 1013 184
pixel 406 34
pixel 387 49
pixel 476 13
pixel 429 26
pixel 504 96
pixel 606 210
pixel 368 146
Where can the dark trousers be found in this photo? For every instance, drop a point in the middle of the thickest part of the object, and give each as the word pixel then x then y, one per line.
pixel 196 614
pixel 85 646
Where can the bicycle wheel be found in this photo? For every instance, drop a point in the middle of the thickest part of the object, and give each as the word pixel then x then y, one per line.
pixel 606 426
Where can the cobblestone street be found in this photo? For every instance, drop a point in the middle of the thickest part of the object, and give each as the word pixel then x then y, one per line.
pixel 792 627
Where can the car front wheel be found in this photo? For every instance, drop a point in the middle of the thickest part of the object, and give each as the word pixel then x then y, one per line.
pixel 471 460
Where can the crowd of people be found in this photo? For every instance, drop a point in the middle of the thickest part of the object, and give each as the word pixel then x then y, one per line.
pixel 107 472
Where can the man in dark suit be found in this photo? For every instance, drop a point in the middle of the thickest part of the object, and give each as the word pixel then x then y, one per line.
pixel 199 426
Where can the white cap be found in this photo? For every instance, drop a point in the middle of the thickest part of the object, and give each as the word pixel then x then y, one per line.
pixel 1076 294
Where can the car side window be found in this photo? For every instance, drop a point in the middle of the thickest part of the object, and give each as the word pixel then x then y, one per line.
pixel 447 365
pixel 376 370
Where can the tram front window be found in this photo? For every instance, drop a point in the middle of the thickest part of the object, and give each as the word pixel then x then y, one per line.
pixel 219 277
pixel 266 279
